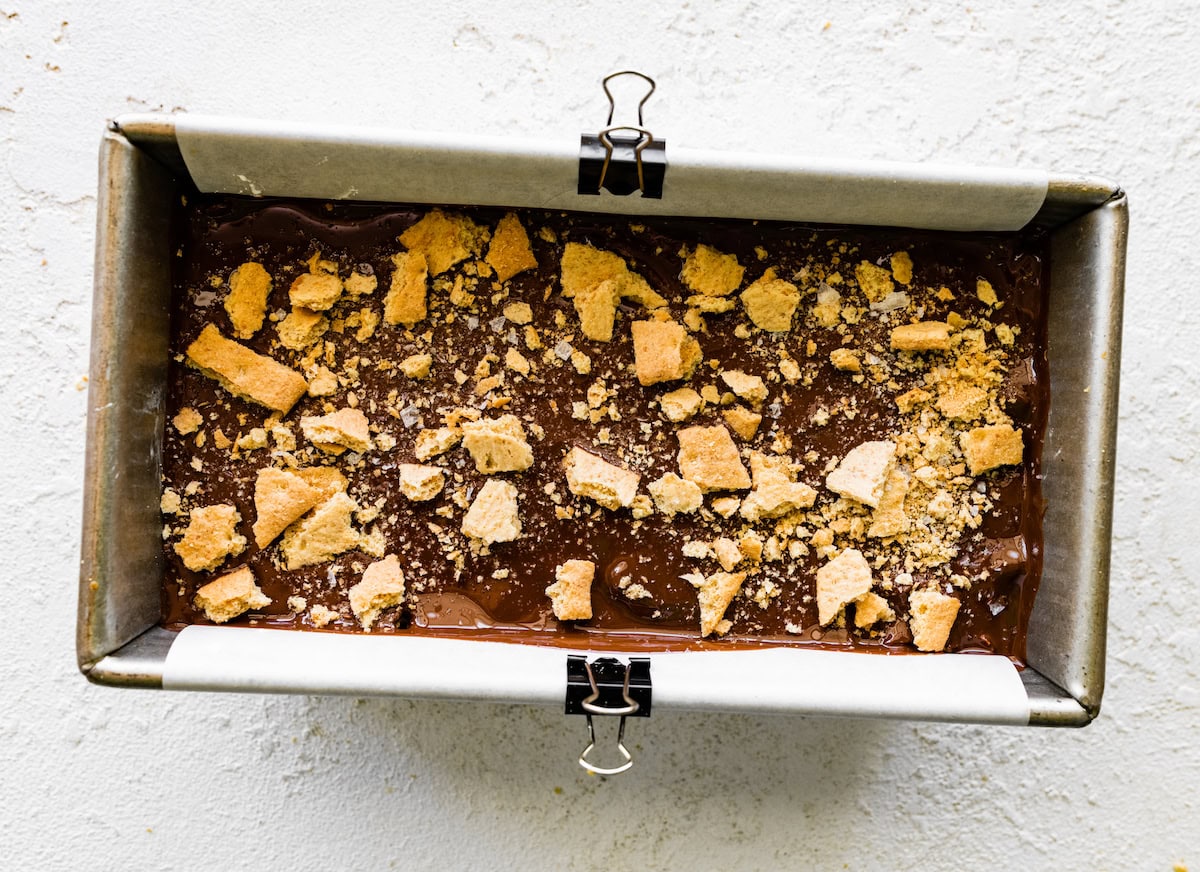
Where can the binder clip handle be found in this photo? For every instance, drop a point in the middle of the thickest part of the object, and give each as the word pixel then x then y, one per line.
pixel 612 103
pixel 623 164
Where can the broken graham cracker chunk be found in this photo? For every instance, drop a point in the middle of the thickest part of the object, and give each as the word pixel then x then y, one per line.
pixel 612 486
pixel 680 405
pixel 494 515
pixel 863 472
pixel 663 351
pixel 889 518
pixel 902 267
pixel 841 581
pixel 596 307
pixel 709 272
pixel 280 497
pixel 985 293
pixel 381 587
pixel 431 443
pixel 317 291
pixel 187 421
pixel 742 421
pixel 246 305
pixel 571 593
pixel 417 366
pixel 875 281
pixel 323 535
pixel 931 617
pixel 716 592
pixel 771 302
pixel 870 609
pixel 233 594
pixel 922 336
pixel 443 240
pixel 584 267
pixel 497 444
pixel 674 495
pixel 338 431
pixel 750 388
pixel 210 537
pixel 244 373
pixel 775 493
pixel 989 447
pixel 845 359
pixel 405 300
pixel 325 479
pixel 421 483
pixel 709 458
pixel 509 252
pixel 301 328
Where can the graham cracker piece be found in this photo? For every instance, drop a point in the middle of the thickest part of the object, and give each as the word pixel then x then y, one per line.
pixel 301 328
pixel 596 307
pixel 889 518
pixel 845 359
pixel 863 472
pixel 775 492
pixel 771 302
pixel 519 313
pixel 323 535
pixel 571 593
pixel 322 616
pixel 444 240
pixel 246 305
pixel 931 617
pixel 989 447
pixel 674 495
pixel 870 609
pixel 985 293
pixel 360 283
pixel 417 366
pixel 828 308
pixel 727 552
pixel 875 281
pixel 244 373
pixel 922 336
pixel 585 267
pixel 421 483
pixel 326 479
pixel 334 433
pixel 612 486
pixel 280 497
pixel 187 421
pixel 494 515
pixel 210 537
pixel 840 581
pixel 431 443
pixel 680 405
pixel 323 382
pixel 742 421
pixel 509 252
pixel 961 401
pixel 316 291
pixel 230 595
pixel 663 351
pixel 902 267
pixel 709 272
pixel 716 592
pixel 381 587
pixel 497 444
pixel 405 300
pixel 750 388
pixel 709 458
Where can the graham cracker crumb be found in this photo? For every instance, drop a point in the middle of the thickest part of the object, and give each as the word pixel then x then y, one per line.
pixel 584 267
pixel 431 443
pixel 663 351
pixel 613 487
pixel 716 592
pixel 727 552
pixel 840 581
pixel 571 593
pixel 931 617
pixel 170 503
pixel 889 518
pixel 863 472
pixel 244 373
pixel 596 307
pixel 323 535
pixel 771 302
pixel 210 537
pixel 315 291
pixel 246 305
pixel 709 272
pixel 828 308
pixel 750 388
pixel 417 366
pixel 709 458
pixel 187 421
pixel 338 431
pixel 443 240
pixel 680 405
pixel 323 383
pixel 405 300
pixel 280 497
pixel 297 604
pixel 875 281
pixel 922 336
pixel 509 252
pixel 421 483
pixel 516 361
pixel 989 447
pixel 497 444
pixel 322 616
pixel 902 267
pixel 742 421
pixel 360 283
pixel 327 480
pixel 494 515
pixel 726 506
pixel 301 328
pixel 845 360
pixel 673 495
pixel 985 293
pixel 519 313
pixel 381 587
pixel 233 594
pixel 870 609
pixel 775 492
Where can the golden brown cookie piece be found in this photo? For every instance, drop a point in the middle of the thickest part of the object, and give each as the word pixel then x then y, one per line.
pixel 405 300
pixel 246 304
pixel 931 617
pixel 989 447
pixel 323 535
pixel 494 516
pixel 334 433
pixel 663 351
pixel 280 497
pixel 716 592
pixel 612 486
pixel 771 302
pixel 246 374
pixel 230 595
pixel 443 240
pixel 497 444
pixel 840 581
pixel 922 336
pixel 571 593
pixel 709 458
pixel 710 272
pixel 509 252
pixel 210 537
pixel 381 587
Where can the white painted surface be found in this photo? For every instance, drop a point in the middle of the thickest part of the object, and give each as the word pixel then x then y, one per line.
pixel 293 782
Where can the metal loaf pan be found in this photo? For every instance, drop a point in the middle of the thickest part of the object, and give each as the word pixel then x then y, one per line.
pixel 145 161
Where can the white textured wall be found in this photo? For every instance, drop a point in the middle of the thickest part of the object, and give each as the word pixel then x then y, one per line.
pixel 150 780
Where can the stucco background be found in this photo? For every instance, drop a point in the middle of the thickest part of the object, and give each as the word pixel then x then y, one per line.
pixel 120 779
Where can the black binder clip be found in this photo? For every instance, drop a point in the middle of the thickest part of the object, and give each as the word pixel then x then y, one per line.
pixel 608 687
pixel 618 162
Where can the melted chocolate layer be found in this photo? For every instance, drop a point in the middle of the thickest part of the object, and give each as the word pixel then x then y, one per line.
pixel 214 234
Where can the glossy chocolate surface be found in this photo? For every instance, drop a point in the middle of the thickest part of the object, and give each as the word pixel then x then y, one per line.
pixel 214 234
